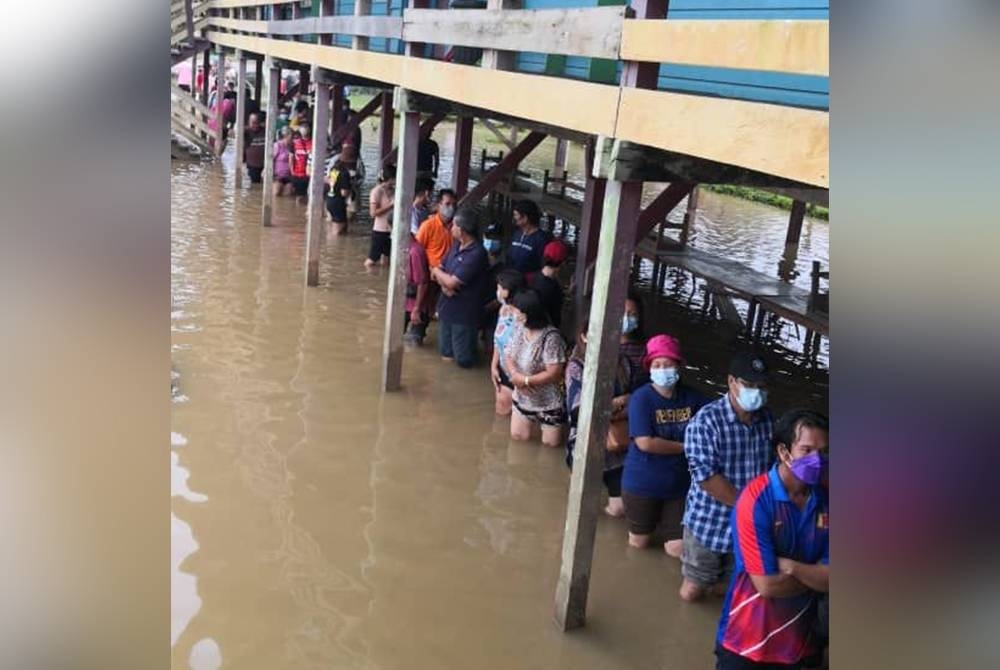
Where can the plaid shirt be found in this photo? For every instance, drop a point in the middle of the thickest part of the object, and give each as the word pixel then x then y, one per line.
pixel 717 442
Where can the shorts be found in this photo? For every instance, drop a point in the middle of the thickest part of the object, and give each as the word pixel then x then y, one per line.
pixel 381 246
pixel 646 514
pixel 703 566
pixel 254 173
pixel 337 208
pixel 301 185
pixel 727 660
pixel 547 417
pixel 613 481
pixel 283 180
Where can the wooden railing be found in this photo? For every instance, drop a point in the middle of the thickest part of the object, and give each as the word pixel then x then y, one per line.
pixel 189 117
pixel 785 141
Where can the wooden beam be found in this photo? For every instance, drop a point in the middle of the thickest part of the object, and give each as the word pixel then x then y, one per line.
pixel 220 85
pixel 426 128
pixel 589 231
pixel 503 168
pixel 362 8
pixel 348 128
pixel 314 234
pixel 657 210
pixel 795 218
pixel 499 59
pixel 386 119
pixel 621 204
pixel 786 142
pixel 389 27
pixel 813 196
pixel 406 176
pixel 273 84
pixel 592 31
pixel 241 108
pixel 559 162
pixel 783 45
pixel 206 67
pixel 462 156
pixel 500 136
pixel 258 80
pixel 690 216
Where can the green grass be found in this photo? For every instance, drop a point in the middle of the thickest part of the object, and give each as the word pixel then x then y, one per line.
pixel 768 198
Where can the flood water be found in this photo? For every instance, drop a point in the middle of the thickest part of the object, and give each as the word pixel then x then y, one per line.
pixel 319 524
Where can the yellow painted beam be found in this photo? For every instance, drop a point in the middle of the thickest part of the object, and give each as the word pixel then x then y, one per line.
pixel 581 106
pixel 784 141
pixel 779 46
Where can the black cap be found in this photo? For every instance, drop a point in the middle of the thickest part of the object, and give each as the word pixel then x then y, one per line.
pixel 748 366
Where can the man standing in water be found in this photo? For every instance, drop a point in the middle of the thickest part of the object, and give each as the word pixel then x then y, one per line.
pixel 727 444
pixel 781 533
pixel 254 138
pixel 302 150
pixel 461 276
pixel 380 204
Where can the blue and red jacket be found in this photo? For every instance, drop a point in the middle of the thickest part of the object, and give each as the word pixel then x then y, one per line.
pixel 766 524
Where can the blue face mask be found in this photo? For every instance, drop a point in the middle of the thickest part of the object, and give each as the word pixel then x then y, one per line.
pixel 665 377
pixel 492 246
pixel 630 323
pixel 751 400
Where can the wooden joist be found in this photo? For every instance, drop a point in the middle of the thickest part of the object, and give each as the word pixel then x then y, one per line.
pixel 390 27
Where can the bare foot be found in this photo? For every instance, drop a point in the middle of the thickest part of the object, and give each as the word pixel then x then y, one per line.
pixel 690 591
pixel 638 541
pixel 615 508
pixel 673 548
pixel 369 263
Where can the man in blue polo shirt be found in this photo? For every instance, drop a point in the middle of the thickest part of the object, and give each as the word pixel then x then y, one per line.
pixel 462 276
pixel 727 444
pixel 781 530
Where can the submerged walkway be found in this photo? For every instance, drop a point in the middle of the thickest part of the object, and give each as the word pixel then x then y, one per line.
pixel 342 528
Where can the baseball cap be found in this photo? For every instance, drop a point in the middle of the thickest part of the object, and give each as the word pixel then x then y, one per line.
pixel 555 252
pixel 749 367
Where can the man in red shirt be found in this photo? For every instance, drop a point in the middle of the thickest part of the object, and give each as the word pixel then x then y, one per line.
pixel 300 161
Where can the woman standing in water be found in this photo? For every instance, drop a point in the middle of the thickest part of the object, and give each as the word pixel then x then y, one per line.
pixel 617 442
pixel 633 342
pixel 283 163
pixel 535 360
pixel 655 480
pixel 508 283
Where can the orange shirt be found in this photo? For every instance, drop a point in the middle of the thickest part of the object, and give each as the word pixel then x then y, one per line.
pixel 435 238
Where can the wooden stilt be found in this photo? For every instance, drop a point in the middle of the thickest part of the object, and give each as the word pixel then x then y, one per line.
pixel 589 230
pixel 386 118
pixel 220 86
pixel 336 109
pixel 690 216
pixel 206 68
pixel 241 113
pixel 406 177
pixel 559 164
pixel 273 92
pixel 194 76
pixel 621 205
pixel 786 266
pixel 258 81
pixel 314 234
pixel 463 155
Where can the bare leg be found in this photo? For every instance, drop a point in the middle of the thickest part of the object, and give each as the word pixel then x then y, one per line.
pixel 673 548
pixel 615 507
pixel 339 228
pixel 276 188
pixel 552 436
pixel 638 541
pixel 520 426
pixel 504 401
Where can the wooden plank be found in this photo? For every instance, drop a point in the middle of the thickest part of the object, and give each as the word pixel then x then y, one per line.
pixel 657 210
pixel 241 107
pixel 363 8
pixel 783 141
pixel 500 136
pixel 406 176
pixel 801 47
pixel 181 110
pixel 189 101
pixel 273 83
pixel 813 196
pixel 621 204
pixel 500 59
pixel 314 230
pixel 591 31
pixel 390 27
pixel 503 168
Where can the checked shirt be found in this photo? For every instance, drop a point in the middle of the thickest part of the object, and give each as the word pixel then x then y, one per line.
pixel 717 442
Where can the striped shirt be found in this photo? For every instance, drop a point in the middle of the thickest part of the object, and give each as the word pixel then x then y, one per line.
pixel 717 442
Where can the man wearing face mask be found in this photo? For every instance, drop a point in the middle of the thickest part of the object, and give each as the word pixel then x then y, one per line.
pixel 781 532
pixel 727 444
pixel 434 235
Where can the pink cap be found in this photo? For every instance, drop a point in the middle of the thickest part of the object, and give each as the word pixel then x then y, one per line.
pixel 660 346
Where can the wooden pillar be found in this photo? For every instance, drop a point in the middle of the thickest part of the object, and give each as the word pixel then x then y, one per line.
pixel 463 155
pixel 590 226
pixel 273 92
pixel 303 82
pixel 361 8
pixel 206 68
pixel 618 229
pixel 258 81
pixel 386 118
pixel 194 76
pixel 241 112
pixel 314 233
pixel 690 216
pixel 795 223
pixel 406 177
pixel 495 59
pixel 336 108
pixel 416 49
pixel 559 164
pixel 220 85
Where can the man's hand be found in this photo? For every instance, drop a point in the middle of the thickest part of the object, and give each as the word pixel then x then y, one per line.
pixel 415 317
pixel 786 565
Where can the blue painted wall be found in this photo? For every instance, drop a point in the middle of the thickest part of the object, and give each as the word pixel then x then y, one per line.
pixel 778 88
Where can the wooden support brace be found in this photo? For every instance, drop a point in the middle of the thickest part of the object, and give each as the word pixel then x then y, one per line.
pixel 462 156
pixel 406 177
pixel 660 207
pixel 273 84
pixel 386 120
pixel 496 132
pixel 314 234
pixel 590 225
pixel 621 204
pixel 426 128
pixel 241 108
pixel 503 168
pixel 352 124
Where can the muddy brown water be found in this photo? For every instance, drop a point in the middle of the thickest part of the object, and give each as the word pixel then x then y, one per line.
pixel 319 524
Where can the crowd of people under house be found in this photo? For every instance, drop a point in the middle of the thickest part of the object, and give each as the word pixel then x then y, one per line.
pixel 740 499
